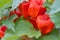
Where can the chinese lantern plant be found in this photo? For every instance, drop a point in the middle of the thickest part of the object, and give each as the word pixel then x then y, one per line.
pixel 30 18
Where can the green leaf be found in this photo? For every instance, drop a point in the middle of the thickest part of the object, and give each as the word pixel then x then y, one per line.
pixel 5 12
pixel 56 19
pixel 55 7
pixel 5 4
pixel 16 3
pixel 9 24
pixel 10 36
pixel 52 36
pixel 50 1
pixel 59 35
pixel 23 27
pixel 13 17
